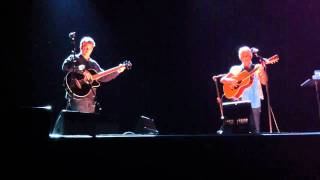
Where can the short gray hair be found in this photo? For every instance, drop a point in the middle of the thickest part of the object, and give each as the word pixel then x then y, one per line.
pixel 87 39
pixel 243 48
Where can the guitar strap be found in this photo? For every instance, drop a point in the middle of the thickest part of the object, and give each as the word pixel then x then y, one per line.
pixel 250 68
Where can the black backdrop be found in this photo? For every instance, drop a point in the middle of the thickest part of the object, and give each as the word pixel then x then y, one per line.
pixel 175 47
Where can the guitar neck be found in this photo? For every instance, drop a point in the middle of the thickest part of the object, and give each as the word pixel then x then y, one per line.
pixel 250 73
pixel 253 70
pixel 106 72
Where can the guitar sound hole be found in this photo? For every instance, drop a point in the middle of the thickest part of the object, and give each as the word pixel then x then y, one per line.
pixel 78 84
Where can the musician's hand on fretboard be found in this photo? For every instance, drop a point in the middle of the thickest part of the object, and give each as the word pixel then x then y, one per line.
pixel 121 69
pixel 260 67
pixel 87 75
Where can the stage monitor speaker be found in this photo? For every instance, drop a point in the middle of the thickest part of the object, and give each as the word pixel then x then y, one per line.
pixel 236 116
pixel 146 125
pixel 77 123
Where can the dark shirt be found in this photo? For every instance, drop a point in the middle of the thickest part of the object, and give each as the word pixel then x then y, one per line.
pixel 71 64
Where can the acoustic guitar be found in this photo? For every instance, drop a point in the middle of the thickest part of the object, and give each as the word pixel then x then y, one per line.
pixel 244 80
pixel 77 86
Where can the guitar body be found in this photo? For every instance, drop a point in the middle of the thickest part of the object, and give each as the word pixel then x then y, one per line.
pixel 245 80
pixel 76 86
pixel 235 92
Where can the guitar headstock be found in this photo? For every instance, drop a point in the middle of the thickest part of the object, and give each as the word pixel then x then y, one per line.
pixel 126 64
pixel 273 59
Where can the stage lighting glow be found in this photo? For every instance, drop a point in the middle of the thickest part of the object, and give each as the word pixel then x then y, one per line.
pixel 55 136
pixel 48 107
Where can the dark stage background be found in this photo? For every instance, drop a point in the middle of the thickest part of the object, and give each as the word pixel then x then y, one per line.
pixel 175 47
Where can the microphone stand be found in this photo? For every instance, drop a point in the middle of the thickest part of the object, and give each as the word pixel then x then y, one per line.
pixel 72 36
pixel 318 99
pixel 219 100
pixel 262 61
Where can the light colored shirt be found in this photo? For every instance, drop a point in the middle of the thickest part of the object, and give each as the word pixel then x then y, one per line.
pixel 254 92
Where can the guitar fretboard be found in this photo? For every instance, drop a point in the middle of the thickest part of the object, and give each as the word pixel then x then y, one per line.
pixel 106 72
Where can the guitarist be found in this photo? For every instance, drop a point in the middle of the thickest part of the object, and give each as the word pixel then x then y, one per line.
pixel 81 63
pixel 252 93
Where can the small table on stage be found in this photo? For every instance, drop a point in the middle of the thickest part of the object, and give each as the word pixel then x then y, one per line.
pixel 313 83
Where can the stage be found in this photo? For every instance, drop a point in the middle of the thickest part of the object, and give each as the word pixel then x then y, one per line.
pixel 160 118
pixel 34 148
pixel 284 155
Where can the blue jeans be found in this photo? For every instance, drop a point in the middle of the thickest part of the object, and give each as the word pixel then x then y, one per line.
pixel 82 105
pixel 254 121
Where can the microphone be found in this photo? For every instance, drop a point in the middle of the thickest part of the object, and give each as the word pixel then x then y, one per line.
pixel 72 34
pixel 254 50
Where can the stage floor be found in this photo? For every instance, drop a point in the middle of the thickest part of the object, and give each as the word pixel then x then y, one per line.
pixel 134 135
pixel 268 155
